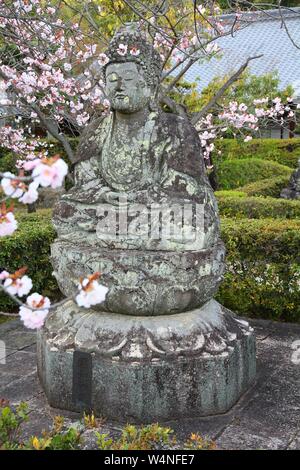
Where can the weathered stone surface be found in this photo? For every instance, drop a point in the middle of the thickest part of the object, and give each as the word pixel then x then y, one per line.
pixel 14 336
pixel 142 283
pixel 267 416
pixel 293 189
pixel 48 197
pixel 146 369
pixel 142 212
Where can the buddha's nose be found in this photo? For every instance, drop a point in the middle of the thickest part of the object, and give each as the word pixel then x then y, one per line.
pixel 120 84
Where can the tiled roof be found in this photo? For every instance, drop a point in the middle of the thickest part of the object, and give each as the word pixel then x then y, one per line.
pixel 264 35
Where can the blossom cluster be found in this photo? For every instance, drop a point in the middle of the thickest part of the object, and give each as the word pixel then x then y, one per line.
pixel 45 172
pixel 45 79
pixel 240 119
pixel 8 223
pixel 34 311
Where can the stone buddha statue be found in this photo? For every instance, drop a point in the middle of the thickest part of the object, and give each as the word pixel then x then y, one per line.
pixel 139 165
pixel 142 213
pixel 293 189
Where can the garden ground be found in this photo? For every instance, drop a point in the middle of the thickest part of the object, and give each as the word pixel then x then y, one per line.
pixel 266 417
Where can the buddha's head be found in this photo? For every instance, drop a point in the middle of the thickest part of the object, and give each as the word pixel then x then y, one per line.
pixel 133 71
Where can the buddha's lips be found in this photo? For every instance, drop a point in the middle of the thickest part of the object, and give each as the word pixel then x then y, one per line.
pixel 120 95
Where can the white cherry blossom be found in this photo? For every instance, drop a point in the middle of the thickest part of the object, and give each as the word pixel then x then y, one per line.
pixel 33 315
pixel 91 292
pixel 122 49
pixel 50 172
pixel 8 223
pixel 19 286
pixel 11 186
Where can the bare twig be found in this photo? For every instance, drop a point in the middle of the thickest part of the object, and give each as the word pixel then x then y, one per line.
pixel 21 304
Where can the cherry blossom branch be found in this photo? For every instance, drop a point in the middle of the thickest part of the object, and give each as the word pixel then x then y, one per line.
pixel 194 57
pixel 52 127
pixel 22 304
pixel 222 90
pixel 173 106
pixel 162 32
pixel 5 314
pixel 15 177
pixel 34 312
pixel 285 26
pixel 161 14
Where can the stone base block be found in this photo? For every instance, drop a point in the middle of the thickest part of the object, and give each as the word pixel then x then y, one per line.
pixel 146 369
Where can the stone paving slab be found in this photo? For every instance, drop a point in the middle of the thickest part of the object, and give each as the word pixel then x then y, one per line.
pixel 266 417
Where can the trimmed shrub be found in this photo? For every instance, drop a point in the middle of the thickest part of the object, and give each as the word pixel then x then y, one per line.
pixel 7 162
pixel 232 174
pixel 30 246
pixel 268 187
pixel 258 207
pixel 263 268
pixel 230 193
pixel 284 151
pixel 263 263
pixel 276 241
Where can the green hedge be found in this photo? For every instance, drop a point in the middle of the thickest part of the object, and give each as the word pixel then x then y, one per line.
pixel 284 151
pixel 7 162
pixel 232 174
pixel 258 207
pixel 30 246
pixel 263 257
pixel 230 193
pixel 263 274
pixel 267 187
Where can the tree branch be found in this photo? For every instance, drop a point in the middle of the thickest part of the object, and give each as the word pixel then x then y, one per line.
pixel 222 90
pixel 52 128
pixel 49 124
pixel 173 106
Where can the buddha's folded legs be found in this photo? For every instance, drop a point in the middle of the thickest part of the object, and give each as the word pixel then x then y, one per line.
pixel 69 216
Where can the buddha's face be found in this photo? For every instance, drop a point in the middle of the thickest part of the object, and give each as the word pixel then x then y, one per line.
pixel 126 87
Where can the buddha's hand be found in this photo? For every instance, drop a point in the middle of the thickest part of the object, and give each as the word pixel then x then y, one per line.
pixel 115 198
pixel 122 199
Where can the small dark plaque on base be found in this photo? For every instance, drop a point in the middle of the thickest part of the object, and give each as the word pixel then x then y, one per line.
pixel 82 380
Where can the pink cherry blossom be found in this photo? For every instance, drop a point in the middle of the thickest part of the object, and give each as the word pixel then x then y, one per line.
pixel 106 103
pixel 3 275
pixel 31 195
pixel 212 48
pixel 8 223
pixel 31 164
pixel 11 186
pixel 91 292
pixel 134 51
pixel 82 119
pixel 201 9
pixel 19 286
pixel 103 59
pixel 34 319
pixel 185 42
pixel 243 107
pixel 50 172
pixel 122 49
